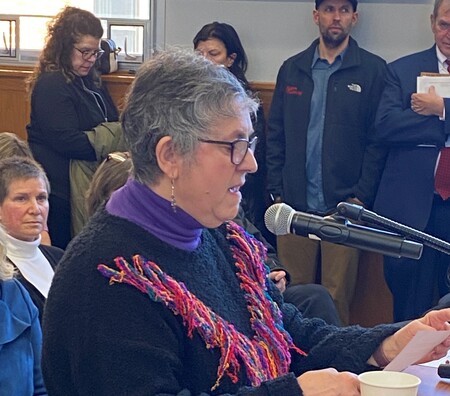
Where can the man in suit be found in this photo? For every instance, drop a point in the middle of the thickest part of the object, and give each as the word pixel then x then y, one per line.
pixel 318 144
pixel 415 127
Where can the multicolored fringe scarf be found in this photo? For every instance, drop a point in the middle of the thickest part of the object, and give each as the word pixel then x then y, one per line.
pixel 266 356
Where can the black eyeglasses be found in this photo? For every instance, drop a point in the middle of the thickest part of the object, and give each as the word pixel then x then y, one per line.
pixel 239 147
pixel 87 54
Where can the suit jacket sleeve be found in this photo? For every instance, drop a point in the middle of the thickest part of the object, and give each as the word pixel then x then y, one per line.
pixel 396 124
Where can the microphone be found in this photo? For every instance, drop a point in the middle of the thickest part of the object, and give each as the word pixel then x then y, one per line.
pixel 357 212
pixel 281 219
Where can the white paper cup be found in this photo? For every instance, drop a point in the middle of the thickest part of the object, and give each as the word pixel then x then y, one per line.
pixel 388 383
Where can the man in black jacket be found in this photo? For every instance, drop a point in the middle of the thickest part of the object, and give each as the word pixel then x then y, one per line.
pixel 319 151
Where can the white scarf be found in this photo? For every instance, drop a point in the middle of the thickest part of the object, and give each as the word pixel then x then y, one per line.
pixel 29 260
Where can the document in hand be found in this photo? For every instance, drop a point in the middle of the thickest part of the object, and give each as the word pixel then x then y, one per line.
pixel 441 83
pixel 422 343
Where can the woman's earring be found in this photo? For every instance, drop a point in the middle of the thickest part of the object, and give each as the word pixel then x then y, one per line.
pixel 173 202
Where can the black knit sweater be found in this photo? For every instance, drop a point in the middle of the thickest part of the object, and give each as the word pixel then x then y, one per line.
pixel 102 339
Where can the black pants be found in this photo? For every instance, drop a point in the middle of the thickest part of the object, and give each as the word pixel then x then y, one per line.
pixel 416 285
pixel 313 301
pixel 59 224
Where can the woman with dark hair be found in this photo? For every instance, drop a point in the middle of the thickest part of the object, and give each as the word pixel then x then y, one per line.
pixel 220 43
pixel 67 100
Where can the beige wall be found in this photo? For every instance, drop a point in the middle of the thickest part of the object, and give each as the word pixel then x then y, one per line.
pixel 271 31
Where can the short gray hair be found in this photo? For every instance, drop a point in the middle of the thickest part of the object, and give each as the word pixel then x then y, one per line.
pixel 17 168
pixel 180 94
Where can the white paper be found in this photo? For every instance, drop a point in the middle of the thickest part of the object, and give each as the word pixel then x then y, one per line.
pixel 422 343
pixel 440 83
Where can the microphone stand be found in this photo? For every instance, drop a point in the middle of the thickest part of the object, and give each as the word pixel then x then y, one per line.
pixel 281 219
pixel 358 213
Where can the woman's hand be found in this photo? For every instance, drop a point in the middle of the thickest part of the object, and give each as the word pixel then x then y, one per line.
pixel 329 382
pixel 434 320
pixel 279 278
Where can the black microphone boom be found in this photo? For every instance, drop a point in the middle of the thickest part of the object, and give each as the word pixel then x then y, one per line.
pixel 357 212
pixel 281 219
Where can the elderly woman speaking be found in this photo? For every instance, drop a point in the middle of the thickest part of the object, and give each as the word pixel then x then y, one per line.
pixel 162 294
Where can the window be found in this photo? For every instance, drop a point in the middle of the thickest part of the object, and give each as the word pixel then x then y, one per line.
pixel 23 26
pixel 8 29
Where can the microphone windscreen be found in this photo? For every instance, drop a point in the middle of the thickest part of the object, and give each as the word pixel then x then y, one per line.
pixel 277 218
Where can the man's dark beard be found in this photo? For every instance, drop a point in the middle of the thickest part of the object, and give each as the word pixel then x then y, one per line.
pixel 333 42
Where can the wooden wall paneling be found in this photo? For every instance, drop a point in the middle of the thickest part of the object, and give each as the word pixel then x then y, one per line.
pixel 14 103
pixel 372 302
pixel 264 90
pixel 118 85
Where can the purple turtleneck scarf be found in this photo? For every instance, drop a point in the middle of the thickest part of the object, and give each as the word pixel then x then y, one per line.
pixel 140 205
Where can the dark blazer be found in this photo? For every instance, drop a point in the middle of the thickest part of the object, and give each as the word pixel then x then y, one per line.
pixel 406 189
pixel 53 254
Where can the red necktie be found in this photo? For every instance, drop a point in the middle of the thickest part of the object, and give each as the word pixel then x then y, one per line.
pixel 442 176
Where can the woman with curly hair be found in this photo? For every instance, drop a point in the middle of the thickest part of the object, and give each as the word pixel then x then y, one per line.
pixel 67 100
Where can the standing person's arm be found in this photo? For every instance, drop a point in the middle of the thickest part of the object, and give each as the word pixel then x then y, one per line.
pixel 374 153
pixel 55 113
pixel 396 123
